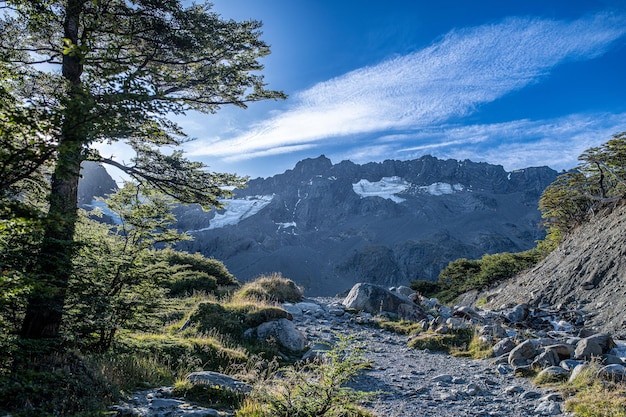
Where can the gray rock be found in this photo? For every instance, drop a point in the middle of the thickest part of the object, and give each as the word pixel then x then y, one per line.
pixel 563 350
pixel 609 359
pixel 504 346
pixel 493 330
pixel 375 299
pixel 221 380
pixel 570 364
pixel 578 369
pixel 548 408
pixel 615 373
pixel 522 354
pixel 285 333
pixel 442 378
pixel 517 314
pixel 587 349
pixel 546 359
pixel 554 373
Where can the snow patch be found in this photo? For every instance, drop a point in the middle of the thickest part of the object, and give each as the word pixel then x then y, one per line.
pixel 387 188
pixel 441 188
pixel 286 225
pixel 237 209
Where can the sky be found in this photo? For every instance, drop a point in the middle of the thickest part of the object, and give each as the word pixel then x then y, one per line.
pixel 517 83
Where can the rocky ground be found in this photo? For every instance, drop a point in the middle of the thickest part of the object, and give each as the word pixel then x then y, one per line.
pixel 422 383
pixel 410 382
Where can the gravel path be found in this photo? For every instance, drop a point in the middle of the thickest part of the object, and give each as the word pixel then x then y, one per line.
pixel 421 383
pixel 411 383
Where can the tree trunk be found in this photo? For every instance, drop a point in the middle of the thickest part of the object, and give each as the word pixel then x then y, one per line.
pixel 54 265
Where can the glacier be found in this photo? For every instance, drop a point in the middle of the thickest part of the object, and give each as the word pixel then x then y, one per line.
pixel 237 209
pixel 387 188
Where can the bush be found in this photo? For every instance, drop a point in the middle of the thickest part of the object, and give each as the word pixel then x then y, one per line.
pixel 233 319
pixel 195 273
pixel 464 275
pixel 312 389
pixel 55 384
pixel 273 289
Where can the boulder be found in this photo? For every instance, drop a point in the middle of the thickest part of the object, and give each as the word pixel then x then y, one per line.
pixel 546 359
pixel 614 372
pixel 563 350
pixel 587 349
pixel 375 299
pixel 578 369
pixel 554 373
pixel 216 379
pixel 494 331
pixel 503 347
pixel 285 333
pixel 522 354
pixel 517 314
pixel 604 340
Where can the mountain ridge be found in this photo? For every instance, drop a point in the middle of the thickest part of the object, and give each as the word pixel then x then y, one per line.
pixel 328 226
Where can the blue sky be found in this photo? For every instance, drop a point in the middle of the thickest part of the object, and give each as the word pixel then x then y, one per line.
pixel 515 83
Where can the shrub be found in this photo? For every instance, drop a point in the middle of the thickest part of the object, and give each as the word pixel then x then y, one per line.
pixel 195 273
pixel 312 389
pixel 232 319
pixel 273 288
pixel 207 395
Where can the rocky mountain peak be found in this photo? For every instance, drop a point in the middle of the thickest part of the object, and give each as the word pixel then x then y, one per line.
pixel 328 225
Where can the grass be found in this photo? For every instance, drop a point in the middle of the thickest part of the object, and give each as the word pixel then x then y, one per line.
pixel 270 289
pixel 475 349
pixel 404 327
pixel 437 342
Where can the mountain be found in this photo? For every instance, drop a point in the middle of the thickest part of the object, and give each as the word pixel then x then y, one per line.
pixel 328 226
pixel 584 274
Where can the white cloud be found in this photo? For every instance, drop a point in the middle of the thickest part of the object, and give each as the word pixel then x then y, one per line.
pixel 422 90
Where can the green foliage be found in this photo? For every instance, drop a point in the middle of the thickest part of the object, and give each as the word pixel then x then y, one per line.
pixel 273 288
pixel 599 179
pixel 206 395
pixel 115 284
pixel 312 389
pixel 122 70
pixel 233 319
pixel 183 353
pixel 425 287
pixel 191 273
pixel 54 384
pixel 463 275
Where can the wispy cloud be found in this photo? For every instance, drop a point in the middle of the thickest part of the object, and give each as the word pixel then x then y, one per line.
pixel 516 144
pixel 435 86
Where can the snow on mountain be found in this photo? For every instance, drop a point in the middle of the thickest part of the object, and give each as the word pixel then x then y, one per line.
pixel 237 209
pixel 387 188
pixel 441 188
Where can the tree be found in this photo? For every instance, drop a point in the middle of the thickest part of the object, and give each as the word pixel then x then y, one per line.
pixel 599 179
pixel 115 282
pixel 125 66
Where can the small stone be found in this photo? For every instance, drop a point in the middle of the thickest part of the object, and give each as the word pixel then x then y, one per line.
pixel 548 409
pixel 513 389
pixel 442 378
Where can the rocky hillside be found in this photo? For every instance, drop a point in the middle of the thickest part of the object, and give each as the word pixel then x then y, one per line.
pixel 328 226
pixel 587 272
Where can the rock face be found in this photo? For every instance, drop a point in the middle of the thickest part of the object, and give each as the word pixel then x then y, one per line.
pixel 585 275
pixel 328 226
